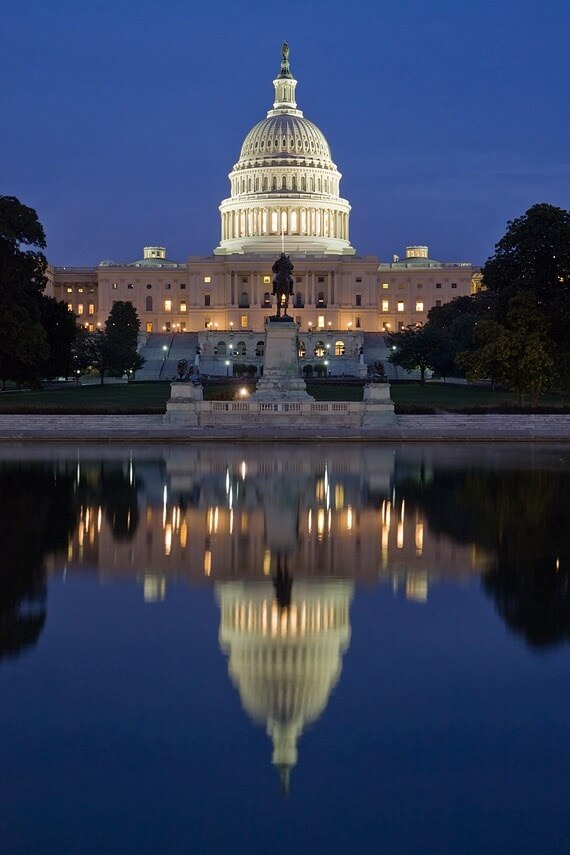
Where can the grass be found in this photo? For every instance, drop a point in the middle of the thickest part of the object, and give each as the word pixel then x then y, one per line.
pixel 147 398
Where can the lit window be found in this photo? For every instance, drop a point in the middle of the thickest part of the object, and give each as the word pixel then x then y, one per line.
pixel 69 290
pixel 244 322
pixel 70 307
pixel 385 305
pixel 419 305
pixel 168 305
pixel 400 305
pixel 183 305
pixel 339 348
pixel 385 286
pixel 321 322
pixel 80 290
pixel 320 349
pixel 267 280
pixel 90 327
pixel 80 308
pixel 91 308
pixel 115 286
pixel 149 326
pixel 207 279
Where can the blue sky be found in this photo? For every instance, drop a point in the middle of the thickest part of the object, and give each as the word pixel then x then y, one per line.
pixel 122 119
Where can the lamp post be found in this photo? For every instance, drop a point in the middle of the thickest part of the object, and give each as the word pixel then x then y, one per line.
pixel 227 367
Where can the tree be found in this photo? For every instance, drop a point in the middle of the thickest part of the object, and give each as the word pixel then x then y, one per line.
pixel 414 349
pixel 455 325
pixel 121 332
pixel 23 343
pixel 516 352
pixel 60 329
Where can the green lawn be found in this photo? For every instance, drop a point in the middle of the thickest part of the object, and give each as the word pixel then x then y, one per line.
pixel 152 397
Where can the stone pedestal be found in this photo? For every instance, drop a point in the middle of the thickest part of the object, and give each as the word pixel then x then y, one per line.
pixel 281 380
pixel 183 406
pixel 378 407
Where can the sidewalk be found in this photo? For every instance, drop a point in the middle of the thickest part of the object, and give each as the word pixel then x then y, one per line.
pixel 436 428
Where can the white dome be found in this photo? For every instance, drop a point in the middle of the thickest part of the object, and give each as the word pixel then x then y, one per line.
pixel 285 184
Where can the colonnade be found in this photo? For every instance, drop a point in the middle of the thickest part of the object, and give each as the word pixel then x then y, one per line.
pixel 305 221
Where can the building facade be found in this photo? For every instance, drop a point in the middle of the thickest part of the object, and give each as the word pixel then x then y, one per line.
pixel 284 193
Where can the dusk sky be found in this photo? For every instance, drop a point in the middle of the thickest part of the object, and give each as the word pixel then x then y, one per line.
pixel 122 119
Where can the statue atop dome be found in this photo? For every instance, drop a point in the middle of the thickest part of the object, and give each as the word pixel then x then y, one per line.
pixel 285 69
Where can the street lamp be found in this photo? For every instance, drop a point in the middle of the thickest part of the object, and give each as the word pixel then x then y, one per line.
pixel 164 351
pixel 227 367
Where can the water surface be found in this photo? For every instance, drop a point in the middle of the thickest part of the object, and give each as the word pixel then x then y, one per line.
pixel 274 649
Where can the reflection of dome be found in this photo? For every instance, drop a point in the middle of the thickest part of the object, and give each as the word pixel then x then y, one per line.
pixel 285 663
pixel 285 182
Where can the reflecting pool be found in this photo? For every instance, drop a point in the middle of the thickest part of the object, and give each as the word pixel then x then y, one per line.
pixel 285 648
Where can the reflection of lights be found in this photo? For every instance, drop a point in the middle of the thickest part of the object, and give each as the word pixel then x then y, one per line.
pixel 167 539
pixel 267 562
pixel 403 505
pixel 349 518
pixel 338 497
pixel 400 535
pixel 207 562
pixel 243 392
pixel 243 470
pixel 310 521
pixel 154 589
pixel 231 521
pixel 227 481
pixel 99 519
pixel 321 523
pixel 183 534
pixel 419 538
pixel 417 587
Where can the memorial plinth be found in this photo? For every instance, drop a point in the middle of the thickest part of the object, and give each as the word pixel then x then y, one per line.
pixel 184 404
pixel 281 380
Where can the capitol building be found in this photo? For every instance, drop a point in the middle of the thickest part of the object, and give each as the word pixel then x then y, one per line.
pixel 284 192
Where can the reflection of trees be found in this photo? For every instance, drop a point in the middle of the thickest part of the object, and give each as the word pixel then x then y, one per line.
pixel 113 486
pixel 520 518
pixel 37 518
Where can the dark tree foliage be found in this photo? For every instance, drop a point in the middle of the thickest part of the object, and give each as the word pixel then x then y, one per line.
pixel 415 349
pixel 455 324
pixel 519 518
pixel 61 330
pixel 121 331
pixel 22 264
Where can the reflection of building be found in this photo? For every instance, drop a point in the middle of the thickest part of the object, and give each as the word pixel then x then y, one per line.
pixel 285 662
pixel 283 183
pixel 219 513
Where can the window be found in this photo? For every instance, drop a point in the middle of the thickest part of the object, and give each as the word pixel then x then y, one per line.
pixel 400 305
pixel 454 284
pixel 267 280
pixel 386 326
pixel 266 299
pixel 299 302
pixel 419 305
pixel 80 308
pixel 320 322
pixel 260 348
pixel 168 286
pixel 243 322
pixel 222 348
pixel 400 286
pixel 321 299
pixel 358 299
pixel 359 278
pixel 69 290
pixel 91 308
pixel 385 286
pixel 320 278
pixel 244 280
pixel 385 305
pixel 183 286
pixel 149 326
pixel 244 300
pixel 357 324
pixel 241 349
pixel 183 326
pixel 183 305
pixel 207 301
pixel 168 305
pixel 148 304
pixel 339 348
pixel 320 349
pixel 70 307
pixel 207 279
pixel 148 287
pixel 400 326
pixel 167 326
pixel 80 290
pixel 298 320
pixel 130 286
pixel 438 284
pixel 302 350
pixel 438 302
pixel 115 286
pixel 207 322
pixel 420 285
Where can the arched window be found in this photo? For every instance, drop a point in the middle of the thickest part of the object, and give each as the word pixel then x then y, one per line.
pixel 244 300
pixel 267 299
pixel 260 348
pixel 274 183
pixel 321 298
pixel 284 182
pixel 221 348
pixel 241 349
pixel 257 184
pixel 311 184
pixel 339 348
pixel 303 183
pixel 320 348
pixel 293 183
pixel 299 302
pixel 148 304
pixel 302 350
pixel 265 183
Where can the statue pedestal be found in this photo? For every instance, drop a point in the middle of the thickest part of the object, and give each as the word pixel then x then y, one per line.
pixel 281 380
pixel 378 407
pixel 183 406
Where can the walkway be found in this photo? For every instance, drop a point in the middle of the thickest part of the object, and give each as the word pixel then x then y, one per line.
pixel 437 428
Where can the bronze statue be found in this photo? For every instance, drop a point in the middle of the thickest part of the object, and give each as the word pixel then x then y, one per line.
pixel 285 70
pixel 282 285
